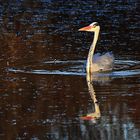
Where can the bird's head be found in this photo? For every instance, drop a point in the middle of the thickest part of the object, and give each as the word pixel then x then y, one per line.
pixel 91 28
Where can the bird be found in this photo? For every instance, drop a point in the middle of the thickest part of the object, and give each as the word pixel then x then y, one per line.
pixel 97 62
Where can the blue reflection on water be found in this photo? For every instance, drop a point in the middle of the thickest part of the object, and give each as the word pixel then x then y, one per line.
pixel 122 69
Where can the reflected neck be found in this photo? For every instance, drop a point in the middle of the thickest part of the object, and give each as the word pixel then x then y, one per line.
pixel 91 51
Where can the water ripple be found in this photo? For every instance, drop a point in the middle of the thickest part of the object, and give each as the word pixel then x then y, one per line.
pixel 123 68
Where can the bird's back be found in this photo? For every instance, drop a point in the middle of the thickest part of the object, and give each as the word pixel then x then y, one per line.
pixel 103 62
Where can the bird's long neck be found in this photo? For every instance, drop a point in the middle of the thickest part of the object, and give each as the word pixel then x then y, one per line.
pixel 91 51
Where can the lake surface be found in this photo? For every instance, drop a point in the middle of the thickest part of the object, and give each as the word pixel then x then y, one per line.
pixel 44 92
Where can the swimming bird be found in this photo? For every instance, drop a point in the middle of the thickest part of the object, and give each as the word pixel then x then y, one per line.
pixel 97 62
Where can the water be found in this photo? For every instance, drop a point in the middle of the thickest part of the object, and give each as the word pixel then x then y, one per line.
pixel 44 91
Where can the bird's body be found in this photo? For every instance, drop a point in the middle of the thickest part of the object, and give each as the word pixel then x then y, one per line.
pixel 102 62
pixel 97 62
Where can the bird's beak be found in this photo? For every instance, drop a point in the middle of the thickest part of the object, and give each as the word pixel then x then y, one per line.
pixel 87 28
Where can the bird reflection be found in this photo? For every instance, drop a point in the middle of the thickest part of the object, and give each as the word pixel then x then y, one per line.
pixel 96 114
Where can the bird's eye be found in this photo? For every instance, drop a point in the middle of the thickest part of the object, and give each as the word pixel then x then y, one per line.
pixel 94 24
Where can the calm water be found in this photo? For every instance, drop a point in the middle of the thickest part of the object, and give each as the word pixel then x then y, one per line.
pixel 43 87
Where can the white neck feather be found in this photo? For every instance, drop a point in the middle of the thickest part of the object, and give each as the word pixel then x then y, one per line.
pixel 92 49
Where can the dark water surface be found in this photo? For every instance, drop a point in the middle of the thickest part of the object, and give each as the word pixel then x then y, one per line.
pixel 43 87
